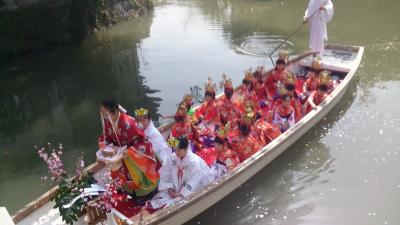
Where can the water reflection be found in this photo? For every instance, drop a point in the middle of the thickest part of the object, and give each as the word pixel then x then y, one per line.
pixel 283 193
pixel 58 102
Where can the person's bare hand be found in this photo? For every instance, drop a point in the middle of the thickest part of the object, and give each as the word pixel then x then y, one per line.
pixel 305 20
pixel 173 193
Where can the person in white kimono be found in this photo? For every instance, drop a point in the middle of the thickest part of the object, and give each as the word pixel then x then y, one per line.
pixel 184 174
pixel 160 146
pixel 318 14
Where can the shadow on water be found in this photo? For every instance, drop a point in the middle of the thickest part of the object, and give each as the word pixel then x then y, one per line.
pixel 54 97
pixel 275 194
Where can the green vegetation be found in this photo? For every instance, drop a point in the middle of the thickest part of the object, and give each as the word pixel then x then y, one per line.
pixel 36 27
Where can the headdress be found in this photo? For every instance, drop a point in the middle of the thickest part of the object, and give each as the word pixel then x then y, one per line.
pixel 226 82
pixel 324 77
pixel 248 75
pixel 173 142
pixel 141 112
pixel 316 63
pixel 283 54
pixel 187 98
pixel 249 114
pixel 290 78
pixel 210 86
pixel 181 111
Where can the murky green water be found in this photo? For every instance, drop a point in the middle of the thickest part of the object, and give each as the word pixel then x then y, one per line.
pixel 344 171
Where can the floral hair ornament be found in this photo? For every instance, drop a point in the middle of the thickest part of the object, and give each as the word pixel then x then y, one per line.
pixel 226 82
pixel 141 112
pixel 173 142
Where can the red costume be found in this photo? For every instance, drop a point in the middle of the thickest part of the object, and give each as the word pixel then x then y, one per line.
pixel 268 130
pixel 183 128
pixel 272 82
pixel 227 110
pixel 139 171
pixel 317 98
pixel 246 146
pixel 208 112
pixel 229 158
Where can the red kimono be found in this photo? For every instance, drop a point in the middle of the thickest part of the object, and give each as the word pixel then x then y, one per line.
pixel 295 103
pixel 209 155
pixel 128 130
pixel 312 83
pixel 229 158
pixel 260 90
pixel 243 97
pixel 272 82
pixel 182 129
pixel 208 112
pixel 316 98
pixel 140 160
pixel 268 130
pixel 246 146
pixel 227 110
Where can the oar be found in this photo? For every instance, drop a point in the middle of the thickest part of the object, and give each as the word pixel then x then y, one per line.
pixel 293 32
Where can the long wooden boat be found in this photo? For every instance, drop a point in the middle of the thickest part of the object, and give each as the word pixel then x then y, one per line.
pixel 339 59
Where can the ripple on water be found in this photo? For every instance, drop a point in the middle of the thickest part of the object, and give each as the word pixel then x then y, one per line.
pixel 262 44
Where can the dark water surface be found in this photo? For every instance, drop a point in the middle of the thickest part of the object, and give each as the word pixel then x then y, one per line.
pixel 344 171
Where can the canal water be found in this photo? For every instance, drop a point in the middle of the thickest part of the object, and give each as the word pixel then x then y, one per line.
pixel 346 170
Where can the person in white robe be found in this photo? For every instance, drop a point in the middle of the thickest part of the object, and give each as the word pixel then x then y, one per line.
pixel 183 175
pixel 317 22
pixel 160 146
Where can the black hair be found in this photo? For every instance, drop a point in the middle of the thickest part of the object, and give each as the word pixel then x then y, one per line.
pixel 280 62
pixel 219 140
pixel 290 87
pixel 110 104
pixel 244 81
pixel 323 87
pixel 183 142
pixel 228 92
pixel 210 93
pixel 285 97
pixel 244 129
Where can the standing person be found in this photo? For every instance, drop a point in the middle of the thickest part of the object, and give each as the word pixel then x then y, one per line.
pixel 138 170
pixel 318 32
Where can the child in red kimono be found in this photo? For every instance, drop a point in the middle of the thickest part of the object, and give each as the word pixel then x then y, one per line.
pixel 245 94
pixel 316 97
pixel 245 144
pixel 284 114
pixel 208 111
pixel 275 79
pixel 182 125
pixel 227 109
pixel 226 156
pixel 266 129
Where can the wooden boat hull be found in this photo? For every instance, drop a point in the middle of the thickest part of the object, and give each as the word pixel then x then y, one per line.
pixel 198 202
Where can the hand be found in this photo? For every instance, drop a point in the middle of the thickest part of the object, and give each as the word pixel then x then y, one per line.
pixel 305 20
pixel 173 193
pixel 322 8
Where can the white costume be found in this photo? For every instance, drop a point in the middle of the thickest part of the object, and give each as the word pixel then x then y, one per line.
pixel 318 31
pixel 185 176
pixel 160 146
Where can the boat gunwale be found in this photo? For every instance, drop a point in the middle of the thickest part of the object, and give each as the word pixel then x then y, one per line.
pixel 170 211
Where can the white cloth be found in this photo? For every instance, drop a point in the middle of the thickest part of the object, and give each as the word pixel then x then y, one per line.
pixel 185 176
pixel 160 146
pixel 318 31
